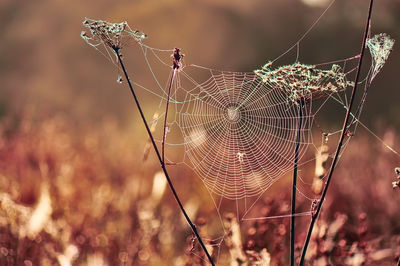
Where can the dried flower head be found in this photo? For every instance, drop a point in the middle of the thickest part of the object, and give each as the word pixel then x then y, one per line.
pixel 177 58
pixel 314 205
pixel 109 34
pixel 380 47
pixel 396 184
pixel 397 170
pixel 234 240
pixel 321 157
pixel 304 82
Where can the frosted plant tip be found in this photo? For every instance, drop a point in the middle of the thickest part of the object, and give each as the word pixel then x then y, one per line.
pixel 380 47
pixel 111 35
pixel 304 82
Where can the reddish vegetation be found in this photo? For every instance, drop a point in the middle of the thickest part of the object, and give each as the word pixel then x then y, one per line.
pixel 96 206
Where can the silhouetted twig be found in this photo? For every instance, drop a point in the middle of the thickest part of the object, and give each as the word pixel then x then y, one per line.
pixel 171 81
pixel 163 166
pixel 314 217
pixel 294 183
pixel 176 63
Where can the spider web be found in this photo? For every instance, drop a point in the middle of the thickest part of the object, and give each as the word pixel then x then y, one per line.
pixel 240 133
pixel 237 130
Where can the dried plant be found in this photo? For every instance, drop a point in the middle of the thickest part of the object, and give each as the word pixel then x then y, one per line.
pixel 343 134
pixel 299 81
pixel 96 195
pixel 321 157
pixel 109 35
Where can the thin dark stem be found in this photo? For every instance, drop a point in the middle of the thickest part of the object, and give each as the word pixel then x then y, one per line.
pixel 315 215
pixel 171 81
pixel 161 161
pixel 294 184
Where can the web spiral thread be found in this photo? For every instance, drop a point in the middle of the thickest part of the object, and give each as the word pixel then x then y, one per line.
pixel 240 133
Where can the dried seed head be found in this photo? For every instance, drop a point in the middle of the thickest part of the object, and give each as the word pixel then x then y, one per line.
pixel 109 34
pixel 177 58
pixel 397 170
pixel 380 47
pixel 304 82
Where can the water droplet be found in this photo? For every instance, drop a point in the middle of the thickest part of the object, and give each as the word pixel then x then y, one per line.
pixel 119 79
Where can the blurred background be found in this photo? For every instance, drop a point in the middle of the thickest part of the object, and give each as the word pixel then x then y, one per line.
pixel 46 65
pixel 71 136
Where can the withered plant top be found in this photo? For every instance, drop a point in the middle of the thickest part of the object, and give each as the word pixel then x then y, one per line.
pixel 304 82
pixel 111 35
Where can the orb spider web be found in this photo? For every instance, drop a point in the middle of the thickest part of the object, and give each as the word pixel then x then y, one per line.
pixel 238 130
pixel 239 133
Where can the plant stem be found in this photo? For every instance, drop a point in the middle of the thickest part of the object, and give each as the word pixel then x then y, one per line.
pixel 193 227
pixel 294 184
pixel 171 81
pixel 314 217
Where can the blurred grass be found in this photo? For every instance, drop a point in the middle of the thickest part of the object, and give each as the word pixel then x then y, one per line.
pixel 104 206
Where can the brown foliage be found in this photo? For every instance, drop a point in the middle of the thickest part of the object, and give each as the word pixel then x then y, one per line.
pixel 100 205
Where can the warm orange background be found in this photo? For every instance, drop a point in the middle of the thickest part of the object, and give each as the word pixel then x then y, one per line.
pixel 71 135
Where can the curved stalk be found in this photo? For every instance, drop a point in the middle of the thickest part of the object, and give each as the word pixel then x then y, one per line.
pixel 294 184
pixel 171 81
pixel 163 166
pixel 315 215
